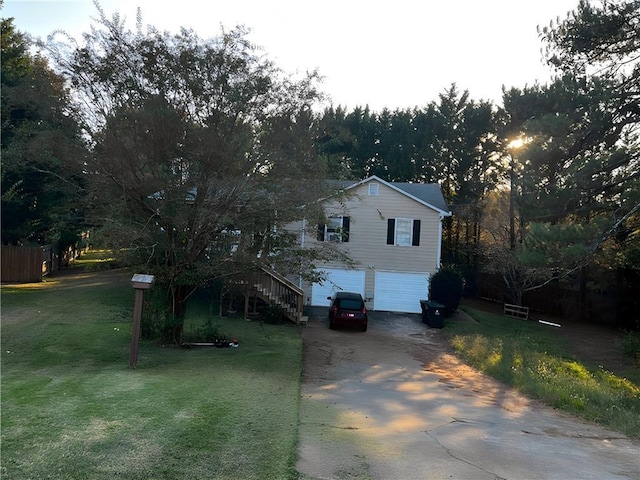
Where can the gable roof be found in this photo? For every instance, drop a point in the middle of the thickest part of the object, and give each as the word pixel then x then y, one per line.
pixel 428 194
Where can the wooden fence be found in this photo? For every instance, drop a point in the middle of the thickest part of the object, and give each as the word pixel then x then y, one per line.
pixel 30 264
pixel 21 264
pixel 516 311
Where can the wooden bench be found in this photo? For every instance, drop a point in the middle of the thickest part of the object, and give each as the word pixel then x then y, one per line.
pixel 516 311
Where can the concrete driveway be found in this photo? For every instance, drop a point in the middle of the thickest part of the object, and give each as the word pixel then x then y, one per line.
pixel 392 404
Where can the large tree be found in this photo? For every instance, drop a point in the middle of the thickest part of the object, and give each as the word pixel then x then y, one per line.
pixel 201 151
pixel 574 182
pixel 41 149
pixel 465 161
pixel 599 42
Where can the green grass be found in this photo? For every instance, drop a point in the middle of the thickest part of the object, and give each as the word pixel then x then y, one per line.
pixel 95 260
pixel 73 409
pixel 535 361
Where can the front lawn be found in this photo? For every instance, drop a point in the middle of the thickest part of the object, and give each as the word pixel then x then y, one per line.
pixel 529 357
pixel 73 409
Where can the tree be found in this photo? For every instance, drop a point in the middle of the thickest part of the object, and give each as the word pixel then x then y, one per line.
pixel 601 44
pixel 602 39
pixel 575 178
pixel 466 167
pixel 41 149
pixel 201 152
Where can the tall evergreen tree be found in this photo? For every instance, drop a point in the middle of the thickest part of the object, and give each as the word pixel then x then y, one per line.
pixel 576 176
pixel 599 42
pixel 467 169
pixel 41 149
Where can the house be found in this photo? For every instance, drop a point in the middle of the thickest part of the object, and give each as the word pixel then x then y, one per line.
pixel 393 232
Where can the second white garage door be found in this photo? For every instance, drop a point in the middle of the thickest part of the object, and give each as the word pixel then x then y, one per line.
pixel 338 280
pixel 400 291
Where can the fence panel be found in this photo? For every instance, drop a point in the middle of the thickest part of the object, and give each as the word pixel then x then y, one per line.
pixel 21 264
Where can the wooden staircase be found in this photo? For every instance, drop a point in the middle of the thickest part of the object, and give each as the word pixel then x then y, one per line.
pixel 273 289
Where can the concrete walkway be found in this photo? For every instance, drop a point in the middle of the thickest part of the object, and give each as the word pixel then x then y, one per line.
pixel 392 404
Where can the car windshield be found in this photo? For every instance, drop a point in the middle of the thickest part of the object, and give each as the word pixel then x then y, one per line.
pixel 350 304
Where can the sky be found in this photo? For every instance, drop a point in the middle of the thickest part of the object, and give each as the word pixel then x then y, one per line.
pixel 394 54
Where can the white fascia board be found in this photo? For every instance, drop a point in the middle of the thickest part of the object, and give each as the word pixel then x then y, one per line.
pixel 399 190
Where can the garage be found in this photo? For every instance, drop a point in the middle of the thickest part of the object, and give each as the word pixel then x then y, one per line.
pixel 400 291
pixel 338 279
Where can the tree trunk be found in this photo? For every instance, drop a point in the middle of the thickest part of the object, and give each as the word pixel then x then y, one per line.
pixel 179 307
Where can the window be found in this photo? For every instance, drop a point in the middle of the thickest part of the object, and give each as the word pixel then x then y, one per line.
pixel 403 232
pixel 404 228
pixel 373 189
pixel 335 230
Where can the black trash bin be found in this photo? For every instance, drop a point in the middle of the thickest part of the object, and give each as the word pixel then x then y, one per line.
pixel 432 313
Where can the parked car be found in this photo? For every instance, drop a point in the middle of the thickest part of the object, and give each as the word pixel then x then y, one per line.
pixel 347 309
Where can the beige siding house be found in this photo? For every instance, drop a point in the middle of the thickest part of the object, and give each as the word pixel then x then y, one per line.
pixel 393 232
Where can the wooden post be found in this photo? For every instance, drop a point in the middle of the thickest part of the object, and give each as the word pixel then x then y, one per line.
pixel 140 283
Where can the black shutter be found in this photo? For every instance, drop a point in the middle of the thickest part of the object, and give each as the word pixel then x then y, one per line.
pixel 416 233
pixel 391 231
pixel 345 228
pixel 321 232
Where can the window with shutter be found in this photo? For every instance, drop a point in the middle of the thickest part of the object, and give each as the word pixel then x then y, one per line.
pixel 403 232
pixel 335 230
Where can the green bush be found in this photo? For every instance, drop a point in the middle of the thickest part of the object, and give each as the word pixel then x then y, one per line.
pixel 207 332
pixel 446 287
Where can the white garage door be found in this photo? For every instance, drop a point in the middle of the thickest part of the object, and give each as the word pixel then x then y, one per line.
pixel 400 291
pixel 338 280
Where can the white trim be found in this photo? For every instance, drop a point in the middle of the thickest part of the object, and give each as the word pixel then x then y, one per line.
pixel 439 254
pixel 335 234
pixel 302 240
pixel 399 190
pixel 395 232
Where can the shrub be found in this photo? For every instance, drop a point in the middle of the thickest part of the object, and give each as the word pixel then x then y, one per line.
pixel 446 287
pixel 208 332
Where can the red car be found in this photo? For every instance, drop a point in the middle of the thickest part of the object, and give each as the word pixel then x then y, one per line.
pixel 347 310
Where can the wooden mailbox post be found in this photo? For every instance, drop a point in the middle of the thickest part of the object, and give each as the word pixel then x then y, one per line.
pixel 140 282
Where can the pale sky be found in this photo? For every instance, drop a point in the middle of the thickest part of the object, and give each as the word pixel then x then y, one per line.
pixel 398 54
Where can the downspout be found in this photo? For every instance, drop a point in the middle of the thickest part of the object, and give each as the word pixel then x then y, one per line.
pixel 302 239
pixel 439 257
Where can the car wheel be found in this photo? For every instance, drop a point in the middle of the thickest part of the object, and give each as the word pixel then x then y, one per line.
pixel 332 325
pixel 364 327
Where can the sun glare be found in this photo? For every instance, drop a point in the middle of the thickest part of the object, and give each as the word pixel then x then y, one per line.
pixel 517 143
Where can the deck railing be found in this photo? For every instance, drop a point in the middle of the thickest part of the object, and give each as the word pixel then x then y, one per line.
pixel 276 289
